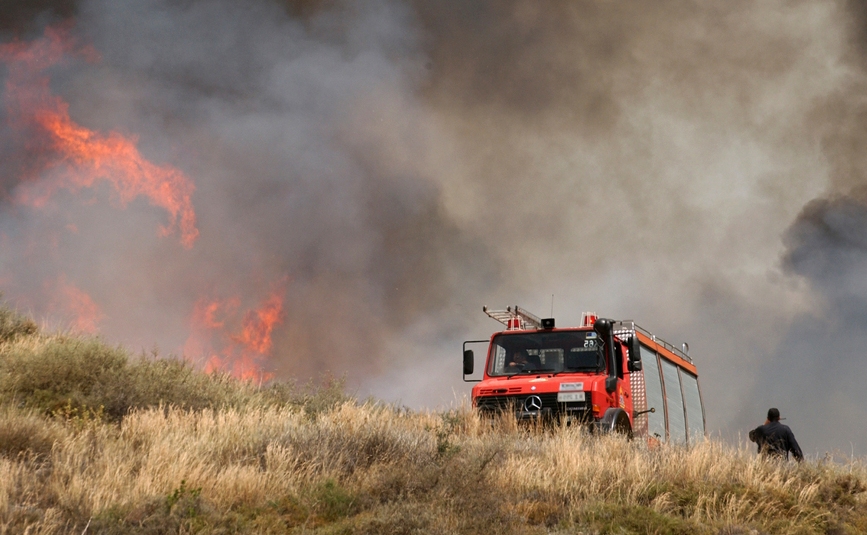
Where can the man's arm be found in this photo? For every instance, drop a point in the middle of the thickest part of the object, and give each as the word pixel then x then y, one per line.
pixel 794 447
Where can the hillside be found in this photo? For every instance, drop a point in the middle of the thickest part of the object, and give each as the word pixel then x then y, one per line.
pixel 95 440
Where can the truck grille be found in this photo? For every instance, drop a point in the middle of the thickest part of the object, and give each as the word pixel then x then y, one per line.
pixel 550 408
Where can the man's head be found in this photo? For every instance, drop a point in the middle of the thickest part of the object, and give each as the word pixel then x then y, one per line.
pixel 519 357
pixel 773 415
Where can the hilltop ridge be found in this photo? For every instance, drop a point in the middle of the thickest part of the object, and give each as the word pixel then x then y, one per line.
pixel 94 439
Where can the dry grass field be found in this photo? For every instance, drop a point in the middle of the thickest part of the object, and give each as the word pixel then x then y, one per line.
pixel 93 440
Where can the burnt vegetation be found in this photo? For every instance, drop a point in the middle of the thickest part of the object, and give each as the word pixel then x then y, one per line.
pixel 94 439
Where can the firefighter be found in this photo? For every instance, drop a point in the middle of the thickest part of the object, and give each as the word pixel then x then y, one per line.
pixel 517 363
pixel 520 362
pixel 775 439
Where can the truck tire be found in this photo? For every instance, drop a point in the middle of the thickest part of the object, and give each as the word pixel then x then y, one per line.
pixel 616 421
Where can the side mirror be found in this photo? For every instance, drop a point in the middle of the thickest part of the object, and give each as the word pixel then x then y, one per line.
pixel 611 384
pixel 634 366
pixel 634 349
pixel 468 362
pixel 602 327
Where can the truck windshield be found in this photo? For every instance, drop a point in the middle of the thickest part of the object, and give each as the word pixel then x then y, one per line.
pixel 546 352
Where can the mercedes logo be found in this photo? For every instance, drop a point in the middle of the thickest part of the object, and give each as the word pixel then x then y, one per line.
pixel 533 403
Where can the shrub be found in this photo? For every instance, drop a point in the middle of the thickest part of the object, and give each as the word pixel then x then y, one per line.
pixel 155 382
pixel 14 325
pixel 25 434
pixel 333 501
pixel 72 375
pixel 64 371
pixel 68 375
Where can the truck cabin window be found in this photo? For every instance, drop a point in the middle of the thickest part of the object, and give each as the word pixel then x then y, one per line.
pixel 546 352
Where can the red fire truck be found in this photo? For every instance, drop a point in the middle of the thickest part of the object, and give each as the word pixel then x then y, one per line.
pixel 609 375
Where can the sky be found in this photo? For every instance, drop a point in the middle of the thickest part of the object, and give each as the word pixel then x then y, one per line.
pixel 350 182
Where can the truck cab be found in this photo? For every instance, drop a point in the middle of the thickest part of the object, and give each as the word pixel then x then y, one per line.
pixel 588 375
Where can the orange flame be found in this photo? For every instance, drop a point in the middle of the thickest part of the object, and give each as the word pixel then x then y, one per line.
pixel 258 324
pixel 70 301
pixel 241 354
pixel 88 155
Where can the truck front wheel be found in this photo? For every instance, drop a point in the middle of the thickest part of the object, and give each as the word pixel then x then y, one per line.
pixel 616 421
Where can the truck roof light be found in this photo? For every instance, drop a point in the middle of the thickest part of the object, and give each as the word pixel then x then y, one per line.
pixel 588 319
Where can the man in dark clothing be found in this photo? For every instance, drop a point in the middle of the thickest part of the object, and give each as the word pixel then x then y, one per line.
pixel 775 439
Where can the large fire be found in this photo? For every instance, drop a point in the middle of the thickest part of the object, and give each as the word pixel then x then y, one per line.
pixel 83 155
pixel 224 336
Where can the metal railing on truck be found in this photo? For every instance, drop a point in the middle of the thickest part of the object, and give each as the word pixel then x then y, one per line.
pixel 628 327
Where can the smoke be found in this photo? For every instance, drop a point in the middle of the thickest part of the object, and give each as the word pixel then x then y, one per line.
pixel 817 368
pixel 644 162
pixel 25 18
pixel 391 166
pixel 308 149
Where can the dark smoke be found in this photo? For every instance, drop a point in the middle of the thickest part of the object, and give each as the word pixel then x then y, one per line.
pixel 818 367
pixel 307 148
pixel 402 163
pixel 26 18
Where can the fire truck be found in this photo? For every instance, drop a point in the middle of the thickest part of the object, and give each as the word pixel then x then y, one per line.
pixel 612 376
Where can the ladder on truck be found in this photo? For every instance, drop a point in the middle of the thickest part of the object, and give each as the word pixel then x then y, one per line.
pixel 515 318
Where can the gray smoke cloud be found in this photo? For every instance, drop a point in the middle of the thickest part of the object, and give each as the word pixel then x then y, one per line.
pixel 819 363
pixel 818 366
pixel 398 164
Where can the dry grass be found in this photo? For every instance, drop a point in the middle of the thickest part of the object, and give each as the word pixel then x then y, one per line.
pixel 373 469
pixel 278 460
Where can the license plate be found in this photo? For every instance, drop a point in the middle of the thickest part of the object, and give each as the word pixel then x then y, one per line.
pixel 567 387
pixel 570 396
